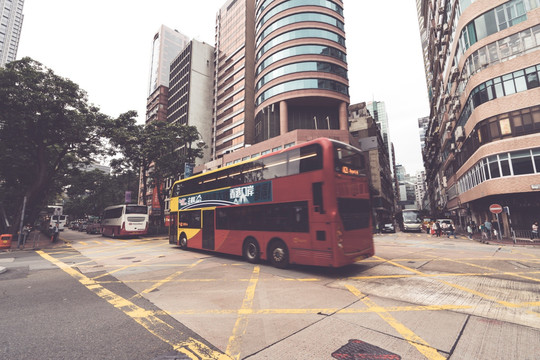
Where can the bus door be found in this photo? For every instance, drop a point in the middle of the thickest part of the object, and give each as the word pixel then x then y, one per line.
pixel 320 222
pixel 208 230
pixel 173 228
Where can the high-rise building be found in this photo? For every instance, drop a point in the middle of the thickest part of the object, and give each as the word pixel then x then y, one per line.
pixel 377 109
pixel 11 19
pixel 482 63
pixel 166 45
pixel 190 91
pixel 280 67
pixel 420 189
pixel 423 125
pixel 233 105
pixel 368 136
pixel 301 70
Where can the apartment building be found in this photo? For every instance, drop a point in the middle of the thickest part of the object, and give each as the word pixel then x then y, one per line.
pixel 482 65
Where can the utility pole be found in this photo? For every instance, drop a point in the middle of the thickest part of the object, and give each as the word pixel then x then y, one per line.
pixel 19 239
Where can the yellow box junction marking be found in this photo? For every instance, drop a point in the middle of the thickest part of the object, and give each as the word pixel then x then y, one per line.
pixel 420 344
pixel 168 279
pixel 462 288
pixel 193 348
pixel 233 348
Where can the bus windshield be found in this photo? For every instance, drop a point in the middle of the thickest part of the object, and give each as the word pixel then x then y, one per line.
pixel 411 217
pixel 348 160
pixel 136 209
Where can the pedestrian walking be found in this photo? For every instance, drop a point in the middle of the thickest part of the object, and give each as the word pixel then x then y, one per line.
pixel 487 227
pixel 26 231
pixel 56 232
pixel 469 231
pixel 437 229
pixel 534 232
pixel 450 231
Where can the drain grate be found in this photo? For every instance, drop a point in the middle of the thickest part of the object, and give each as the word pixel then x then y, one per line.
pixel 357 349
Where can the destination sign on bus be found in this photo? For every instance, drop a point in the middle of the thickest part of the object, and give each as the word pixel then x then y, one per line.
pixel 248 194
pixel 349 171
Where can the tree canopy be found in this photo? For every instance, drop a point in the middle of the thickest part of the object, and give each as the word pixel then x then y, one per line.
pixel 47 128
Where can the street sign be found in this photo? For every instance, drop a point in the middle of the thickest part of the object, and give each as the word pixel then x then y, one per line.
pixel 495 208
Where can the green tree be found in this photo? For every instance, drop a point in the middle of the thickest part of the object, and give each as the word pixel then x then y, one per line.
pixel 47 128
pixel 91 192
pixel 128 147
pixel 170 148
pixel 158 150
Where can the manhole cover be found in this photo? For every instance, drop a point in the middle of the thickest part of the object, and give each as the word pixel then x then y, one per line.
pixel 357 349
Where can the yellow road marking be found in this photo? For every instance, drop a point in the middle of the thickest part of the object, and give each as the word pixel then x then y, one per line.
pixel 420 344
pixel 233 348
pixel 322 310
pixel 462 288
pixel 169 278
pixel 157 327
pixel 399 276
pixel 514 273
pixel 123 268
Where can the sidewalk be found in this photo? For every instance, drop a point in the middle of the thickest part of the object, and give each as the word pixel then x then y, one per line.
pixel 35 241
pixel 503 241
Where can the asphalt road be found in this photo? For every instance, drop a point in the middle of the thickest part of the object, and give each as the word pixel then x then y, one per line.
pixel 419 298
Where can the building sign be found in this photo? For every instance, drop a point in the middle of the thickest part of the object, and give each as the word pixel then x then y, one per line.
pixel 248 194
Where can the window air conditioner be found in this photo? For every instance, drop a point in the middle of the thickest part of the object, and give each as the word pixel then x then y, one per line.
pixel 458 133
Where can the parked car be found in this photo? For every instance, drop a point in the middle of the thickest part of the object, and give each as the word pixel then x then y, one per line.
pixel 93 228
pixel 388 228
pixel 445 223
pixel 82 226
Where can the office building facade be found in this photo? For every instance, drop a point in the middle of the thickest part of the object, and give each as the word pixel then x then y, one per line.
pixel 369 139
pixel 11 19
pixel 300 67
pixel 233 105
pixel 483 139
pixel 166 45
pixel 190 91
pixel 280 68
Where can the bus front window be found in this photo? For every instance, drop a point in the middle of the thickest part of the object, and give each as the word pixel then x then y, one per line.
pixel 348 160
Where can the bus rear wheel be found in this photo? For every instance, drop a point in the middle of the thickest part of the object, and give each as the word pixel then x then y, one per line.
pixel 183 242
pixel 251 251
pixel 279 254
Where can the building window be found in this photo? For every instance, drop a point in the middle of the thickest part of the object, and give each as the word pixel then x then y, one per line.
pixel 522 162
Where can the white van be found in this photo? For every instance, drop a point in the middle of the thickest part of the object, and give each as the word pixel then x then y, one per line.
pixel 60 219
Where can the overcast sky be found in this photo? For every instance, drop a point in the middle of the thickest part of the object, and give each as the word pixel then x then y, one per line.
pixel 105 47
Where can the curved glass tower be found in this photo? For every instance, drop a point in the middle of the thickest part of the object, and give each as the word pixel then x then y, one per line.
pixel 300 67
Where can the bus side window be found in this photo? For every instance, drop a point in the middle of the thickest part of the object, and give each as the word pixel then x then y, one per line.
pixel 318 197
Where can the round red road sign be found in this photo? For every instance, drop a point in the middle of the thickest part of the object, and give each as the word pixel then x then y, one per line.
pixel 495 208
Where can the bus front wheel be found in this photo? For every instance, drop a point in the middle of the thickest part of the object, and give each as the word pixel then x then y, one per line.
pixel 279 254
pixel 251 251
pixel 183 242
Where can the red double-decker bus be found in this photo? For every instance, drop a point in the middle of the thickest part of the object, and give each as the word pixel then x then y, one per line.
pixel 307 204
